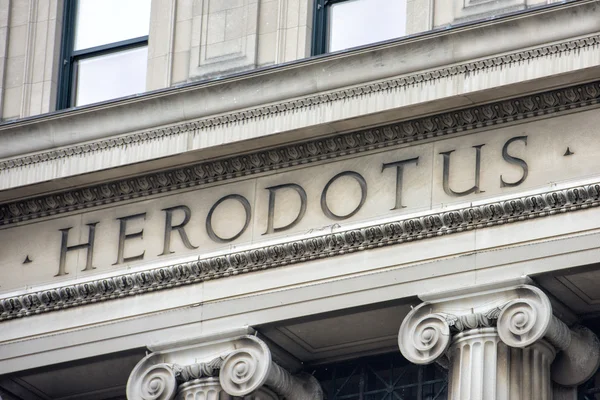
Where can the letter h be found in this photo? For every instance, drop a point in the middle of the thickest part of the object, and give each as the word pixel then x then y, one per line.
pixel 89 246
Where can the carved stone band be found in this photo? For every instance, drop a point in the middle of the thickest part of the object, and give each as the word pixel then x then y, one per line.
pixel 309 151
pixel 303 250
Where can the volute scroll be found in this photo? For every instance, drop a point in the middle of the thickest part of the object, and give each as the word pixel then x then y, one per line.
pixel 526 319
pixel 423 336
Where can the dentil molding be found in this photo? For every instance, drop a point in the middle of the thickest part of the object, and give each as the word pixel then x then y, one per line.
pixel 304 152
pixel 309 101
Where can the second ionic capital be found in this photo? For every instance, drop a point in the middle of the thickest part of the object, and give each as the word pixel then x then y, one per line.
pixel 521 315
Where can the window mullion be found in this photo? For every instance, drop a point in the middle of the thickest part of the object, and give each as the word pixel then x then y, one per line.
pixel 110 47
pixel 66 59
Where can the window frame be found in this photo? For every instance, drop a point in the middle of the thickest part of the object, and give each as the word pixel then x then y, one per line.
pixel 321 25
pixel 336 378
pixel 67 75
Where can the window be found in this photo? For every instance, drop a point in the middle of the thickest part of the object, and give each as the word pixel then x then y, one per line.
pixel 342 24
pixel 381 377
pixel 104 50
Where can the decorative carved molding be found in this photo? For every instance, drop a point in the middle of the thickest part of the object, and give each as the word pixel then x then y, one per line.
pixel 460 323
pixel 245 370
pixel 311 101
pixel 198 370
pixel 338 243
pixel 299 153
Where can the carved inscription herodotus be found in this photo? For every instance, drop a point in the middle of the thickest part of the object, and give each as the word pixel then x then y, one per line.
pixel 390 182
pixel 229 217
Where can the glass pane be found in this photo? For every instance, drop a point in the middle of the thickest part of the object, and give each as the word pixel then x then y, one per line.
pixel 111 75
pixel 100 22
pixel 357 22
pixel 381 377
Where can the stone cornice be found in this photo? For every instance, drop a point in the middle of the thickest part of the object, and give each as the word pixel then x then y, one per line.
pixel 303 250
pixel 309 151
pixel 304 102
pixel 255 91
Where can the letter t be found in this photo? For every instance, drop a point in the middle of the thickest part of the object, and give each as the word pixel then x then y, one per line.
pixel 399 177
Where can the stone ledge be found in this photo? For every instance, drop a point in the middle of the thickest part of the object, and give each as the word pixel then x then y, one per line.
pixel 278 158
pixel 403 230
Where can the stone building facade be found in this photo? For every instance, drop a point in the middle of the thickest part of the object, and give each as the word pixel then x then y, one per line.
pixel 299 199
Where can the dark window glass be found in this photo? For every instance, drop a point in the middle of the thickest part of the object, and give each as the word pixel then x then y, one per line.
pixel 382 377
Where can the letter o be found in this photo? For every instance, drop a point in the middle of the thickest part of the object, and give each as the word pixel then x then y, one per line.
pixel 363 195
pixel 209 228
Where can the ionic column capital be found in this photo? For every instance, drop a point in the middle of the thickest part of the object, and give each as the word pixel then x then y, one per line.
pixel 522 316
pixel 526 320
pixel 247 369
pixel 240 367
pixel 427 330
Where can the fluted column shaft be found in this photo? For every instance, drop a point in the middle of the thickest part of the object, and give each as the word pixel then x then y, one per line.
pixel 202 389
pixel 482 367
pixel 211 389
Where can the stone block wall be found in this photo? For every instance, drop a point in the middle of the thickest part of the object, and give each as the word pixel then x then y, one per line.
pixel 197 39
pixel 30 34
pixel 460 11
